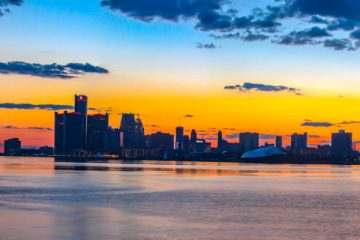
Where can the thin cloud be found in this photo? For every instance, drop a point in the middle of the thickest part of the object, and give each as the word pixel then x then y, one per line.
pixel 317 124
pixel 206 45
pixel 29 128
pixel 328 124
pixel 29 106
pixel 248 87
pixel 68 71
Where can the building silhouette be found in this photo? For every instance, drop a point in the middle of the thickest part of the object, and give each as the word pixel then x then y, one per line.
pixel 59 133
pixel 219 140
pixel 98 125
pixel 278 142
pixel 132 131
pixel 193 138
pixel 341 144
pixel 73 142
pixel 161 141
pixel 298 142
pixel 249 141
pixel 112 141
pixel 81 102
pixel 12 147
pixel 179 139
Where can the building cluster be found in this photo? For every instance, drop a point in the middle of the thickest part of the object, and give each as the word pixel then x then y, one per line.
pixel 78 133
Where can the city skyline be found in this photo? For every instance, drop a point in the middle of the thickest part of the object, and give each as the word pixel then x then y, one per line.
pixel 166 66
pixel 80 133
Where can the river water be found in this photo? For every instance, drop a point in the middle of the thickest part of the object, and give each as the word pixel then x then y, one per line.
pixel 41 199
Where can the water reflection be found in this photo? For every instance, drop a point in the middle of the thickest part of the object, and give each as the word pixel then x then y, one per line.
pixel 47 200
pixel 48 166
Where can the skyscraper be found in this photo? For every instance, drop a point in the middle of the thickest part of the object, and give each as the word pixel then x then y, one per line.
pixel 179 139
pixel 112 141
pixel 341 144
pixel 298 142
pixel 59 133
pixel 72 135
pixel 81 107
pixel 132 130
pixel 98 124
pixel 249 141
pixel 193 138
pixel 220 140
pixel 278 142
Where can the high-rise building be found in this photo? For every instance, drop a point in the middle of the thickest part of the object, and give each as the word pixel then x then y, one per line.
pixel 132 131
pixel 341 144
pixel 186 144
pixel 59 133
pixel 249 141
pixel 193 138
pixel 112 141
pixel 278 142
pixel 81 102
pixel 179 139
pixel 98 124
pixel 298 142
pixel 219 140
pixel 72 135
pixel 12 147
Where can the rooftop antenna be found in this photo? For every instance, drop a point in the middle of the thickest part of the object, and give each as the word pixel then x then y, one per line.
pixel 179 121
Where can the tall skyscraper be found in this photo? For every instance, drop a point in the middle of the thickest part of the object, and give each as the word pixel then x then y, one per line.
pixel 179 139
pixel 278 142
pixel 12 147
pixel 81 102
pixel 59 133
pixel 193 138
pixel 341 144
pixel 249 141
pixel 98 124
pixel 298 142
pixel 73 139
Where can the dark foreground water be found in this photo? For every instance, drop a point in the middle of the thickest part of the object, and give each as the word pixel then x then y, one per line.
pixel 40 199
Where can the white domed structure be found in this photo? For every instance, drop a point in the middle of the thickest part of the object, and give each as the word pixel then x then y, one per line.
pixel 263 152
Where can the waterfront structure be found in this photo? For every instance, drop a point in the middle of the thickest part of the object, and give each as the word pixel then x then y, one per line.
pixel 12 146
pixel 249 141
pixel 341 144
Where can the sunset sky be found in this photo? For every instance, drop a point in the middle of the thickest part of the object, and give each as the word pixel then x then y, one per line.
pixel 273 67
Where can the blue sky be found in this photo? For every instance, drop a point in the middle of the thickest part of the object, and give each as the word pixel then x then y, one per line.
pixel 83 31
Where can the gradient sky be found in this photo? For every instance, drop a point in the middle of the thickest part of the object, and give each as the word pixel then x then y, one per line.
pixel 157 69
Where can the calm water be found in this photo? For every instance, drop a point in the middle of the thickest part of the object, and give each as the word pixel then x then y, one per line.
pixel 40 199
